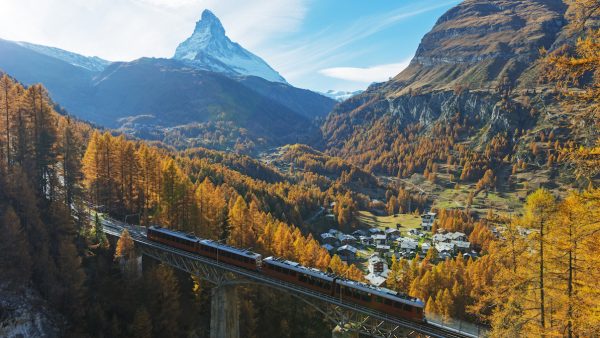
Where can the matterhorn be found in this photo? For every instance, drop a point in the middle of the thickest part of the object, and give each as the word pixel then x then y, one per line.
pixel 210 49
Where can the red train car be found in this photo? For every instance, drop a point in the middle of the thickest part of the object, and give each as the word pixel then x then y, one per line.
pixel 173 238
pixel 380 299
pixel 230 255
pixel 204 247
pixel 295 273
pixel 376 298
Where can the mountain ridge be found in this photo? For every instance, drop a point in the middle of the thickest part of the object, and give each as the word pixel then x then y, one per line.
pixel 208 48
pixel 477 70
pixel 173 100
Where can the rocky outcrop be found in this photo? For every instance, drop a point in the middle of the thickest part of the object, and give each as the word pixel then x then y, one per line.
pixel 486 108
pixel 476 50
pixel 24 314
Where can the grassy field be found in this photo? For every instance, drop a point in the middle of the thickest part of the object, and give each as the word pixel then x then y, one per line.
pixel 408 221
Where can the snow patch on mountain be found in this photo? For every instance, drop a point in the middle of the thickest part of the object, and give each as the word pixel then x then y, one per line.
pixel 340 95
pixel 93 63
pixel 210 49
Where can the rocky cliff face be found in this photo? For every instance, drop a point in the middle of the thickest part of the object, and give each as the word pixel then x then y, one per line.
pixel 490 112
pixel 24 314
pixel 476 60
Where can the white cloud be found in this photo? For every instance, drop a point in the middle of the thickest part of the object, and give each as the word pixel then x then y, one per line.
pixel 376 73
pixel 129 29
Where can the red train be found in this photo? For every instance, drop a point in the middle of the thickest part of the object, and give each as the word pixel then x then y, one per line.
pixel 376 298
pixel 205 247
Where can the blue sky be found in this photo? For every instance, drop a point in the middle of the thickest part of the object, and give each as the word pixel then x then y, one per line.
pixel 314 44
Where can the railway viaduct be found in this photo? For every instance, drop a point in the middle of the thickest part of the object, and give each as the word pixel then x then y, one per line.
pixel 347 318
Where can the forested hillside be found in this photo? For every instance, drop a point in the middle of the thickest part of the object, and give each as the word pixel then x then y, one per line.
pixel 54 168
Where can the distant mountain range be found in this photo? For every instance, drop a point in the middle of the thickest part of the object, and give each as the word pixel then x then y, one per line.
pixel 211 88
pixel 340 95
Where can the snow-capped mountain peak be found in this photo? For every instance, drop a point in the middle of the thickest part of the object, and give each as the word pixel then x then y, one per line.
pixel 210 49
pixel 209 23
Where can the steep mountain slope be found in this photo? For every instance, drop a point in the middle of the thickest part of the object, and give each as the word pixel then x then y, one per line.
pixel 66 82
pixel 213 93
pixel 210 49
pixel 302 101
pixel 93 64
pixel 478 43
pixel 166 93
pixel 476 52
pixel 470 101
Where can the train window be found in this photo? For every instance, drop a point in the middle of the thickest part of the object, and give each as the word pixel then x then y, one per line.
pixel 407 308
pixel 293 273
pixel 378 299
pixel 397 305
pixel 302 278
pixel 387 302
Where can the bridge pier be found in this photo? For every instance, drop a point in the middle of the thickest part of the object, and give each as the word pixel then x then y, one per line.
pixel 224 312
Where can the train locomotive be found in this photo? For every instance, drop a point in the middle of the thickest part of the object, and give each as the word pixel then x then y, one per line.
pixel 376 298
